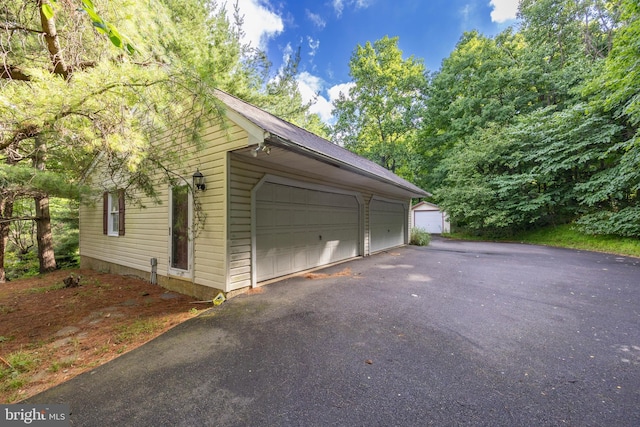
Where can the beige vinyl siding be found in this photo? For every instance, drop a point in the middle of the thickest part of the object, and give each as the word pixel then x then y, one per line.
pixel 147 230
pixel 142 241
pixel 210 258
pixel 243 178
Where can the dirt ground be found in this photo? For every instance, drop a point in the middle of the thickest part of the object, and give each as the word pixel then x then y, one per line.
pixel 49 333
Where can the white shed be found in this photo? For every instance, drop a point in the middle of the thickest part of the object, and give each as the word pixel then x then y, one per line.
pixel 429 217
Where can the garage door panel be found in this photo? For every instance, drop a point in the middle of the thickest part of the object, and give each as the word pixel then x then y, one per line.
pixel 299 217
pixel 307 228
pixel 282 194
pixel 431 221
pixel 387 224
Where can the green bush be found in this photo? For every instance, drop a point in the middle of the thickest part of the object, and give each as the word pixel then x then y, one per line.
pixel 419 237
pixel 21 265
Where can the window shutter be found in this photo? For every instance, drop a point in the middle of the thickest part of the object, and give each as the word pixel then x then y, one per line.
pixel 105 213
pixel 121 212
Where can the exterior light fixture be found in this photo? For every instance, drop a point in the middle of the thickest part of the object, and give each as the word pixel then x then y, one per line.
pixel 261 147
pixel 198 180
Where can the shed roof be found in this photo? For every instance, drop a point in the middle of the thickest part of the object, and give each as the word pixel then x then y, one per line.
pixel 425 204
pixel 281 132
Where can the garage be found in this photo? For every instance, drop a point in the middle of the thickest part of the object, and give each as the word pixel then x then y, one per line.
pixel 430 221
pixel 299 228
pixel 388 221
pixel 430 218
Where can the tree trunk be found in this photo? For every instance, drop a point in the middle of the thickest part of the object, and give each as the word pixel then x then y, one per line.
pixel 6 210
pixel 44 236
pixel 46 255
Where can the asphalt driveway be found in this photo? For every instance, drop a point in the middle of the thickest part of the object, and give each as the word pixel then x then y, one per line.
pixel 456 333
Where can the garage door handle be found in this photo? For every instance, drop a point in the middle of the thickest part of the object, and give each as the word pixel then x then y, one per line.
pixel 320 237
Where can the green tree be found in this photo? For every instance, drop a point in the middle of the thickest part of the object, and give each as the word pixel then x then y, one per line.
pixel 59 98
pixel 484 81
pixel 91 91
pixel 613 193
pixel 379 116
pixel 551 153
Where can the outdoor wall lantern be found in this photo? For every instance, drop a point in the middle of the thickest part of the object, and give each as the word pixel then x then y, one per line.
pixel 198 180
pixel 261 147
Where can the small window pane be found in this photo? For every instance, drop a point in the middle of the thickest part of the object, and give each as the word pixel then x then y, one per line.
pixel 114 217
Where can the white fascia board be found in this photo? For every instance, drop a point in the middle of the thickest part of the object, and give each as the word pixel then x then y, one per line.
pixel 257 135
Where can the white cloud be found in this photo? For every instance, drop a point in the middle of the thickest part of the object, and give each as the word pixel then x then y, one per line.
pixel 260 21
pixel 310 86
pixel 339 5
pixel 316 19
pixel 335 91
pixel 314 44
pixel 287 52
pixel 465 13
pixel 503 10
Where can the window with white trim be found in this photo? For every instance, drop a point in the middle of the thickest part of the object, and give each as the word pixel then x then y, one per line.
pixel 113 213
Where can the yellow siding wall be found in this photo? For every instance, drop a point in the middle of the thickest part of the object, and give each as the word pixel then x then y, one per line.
pixel 222 248
pixel 147 229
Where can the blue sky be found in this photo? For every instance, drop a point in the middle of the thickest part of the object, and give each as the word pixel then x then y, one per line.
pixel 328 31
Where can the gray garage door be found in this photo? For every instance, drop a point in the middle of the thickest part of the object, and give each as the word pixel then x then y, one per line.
pixel 431 221
pixel 387 223
pixel 299 228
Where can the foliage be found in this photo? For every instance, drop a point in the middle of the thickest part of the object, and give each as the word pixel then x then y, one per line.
pixel 419 237
pixel 519 133
pixel 570 236
pixel 566 236
pixel 21 258
pixel 482 83
pixel 379 116
pixel 66 232
pixel 68 96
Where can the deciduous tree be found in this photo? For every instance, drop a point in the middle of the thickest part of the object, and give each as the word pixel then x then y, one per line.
pixel 379 116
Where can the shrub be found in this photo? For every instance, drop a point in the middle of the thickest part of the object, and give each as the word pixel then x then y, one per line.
pixel 419 237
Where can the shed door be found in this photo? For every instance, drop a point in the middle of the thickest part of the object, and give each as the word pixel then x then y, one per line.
pixel 431 221
pixel 299 228
pixel 387 221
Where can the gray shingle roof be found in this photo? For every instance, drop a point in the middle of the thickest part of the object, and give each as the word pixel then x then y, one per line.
pixel 313 144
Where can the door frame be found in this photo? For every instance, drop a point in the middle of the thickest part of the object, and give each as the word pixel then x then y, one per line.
pixel 171 271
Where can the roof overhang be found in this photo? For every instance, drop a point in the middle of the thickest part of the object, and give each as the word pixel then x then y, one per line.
pixel 263 127
pixel 277 141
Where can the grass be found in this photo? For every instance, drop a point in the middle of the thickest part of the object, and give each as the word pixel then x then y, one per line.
pixel 44 289
pixel 127 333
pixel 15 369
pixel 566 236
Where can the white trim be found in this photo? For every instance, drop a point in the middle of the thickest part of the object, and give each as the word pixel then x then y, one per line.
pixel 256 134
pixel 171 271
pixel 112 197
